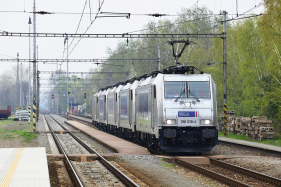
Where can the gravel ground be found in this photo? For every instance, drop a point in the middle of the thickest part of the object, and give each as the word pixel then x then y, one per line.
pixel 59 118
pixel 70 145
pixel 153 171
pixel 230 149
pixel 58 174
pixel 95 174
pixel 100 148
pixel 54 125
pixel 42 137
pixel 237 176
pixel 267 165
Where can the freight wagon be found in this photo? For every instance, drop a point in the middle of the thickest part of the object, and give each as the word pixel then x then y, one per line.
pixel 5 113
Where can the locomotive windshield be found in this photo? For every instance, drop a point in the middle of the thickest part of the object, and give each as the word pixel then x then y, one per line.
pixel 195 90
pixel 175 89
pixel 199 89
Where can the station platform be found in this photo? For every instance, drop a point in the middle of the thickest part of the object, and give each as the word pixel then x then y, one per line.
pixel 24 167
pixel 82 118
pixel 117 144
pixel 251 144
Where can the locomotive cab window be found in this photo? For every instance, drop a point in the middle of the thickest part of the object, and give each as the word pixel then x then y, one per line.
pixel 198 89
pixel 195 89
pixel 175 89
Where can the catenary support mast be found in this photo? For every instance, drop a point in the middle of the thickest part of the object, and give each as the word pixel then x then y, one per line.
pixel 224 74
pixel 34 67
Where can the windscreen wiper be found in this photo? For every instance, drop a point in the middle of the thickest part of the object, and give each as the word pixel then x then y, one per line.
pixel 183 91
pixel 194 96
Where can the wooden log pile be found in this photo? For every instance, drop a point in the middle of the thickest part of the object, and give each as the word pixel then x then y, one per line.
pixel 257 127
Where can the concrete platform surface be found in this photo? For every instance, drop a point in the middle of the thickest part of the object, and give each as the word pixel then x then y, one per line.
pixel 252 144
pixel 82 118
pixel 24 167
pixel 118 144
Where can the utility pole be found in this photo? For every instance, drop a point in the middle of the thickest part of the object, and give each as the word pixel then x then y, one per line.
pixel 55 102
pixel 29 73
pixel 37 95
pixel 34 68
pixel 224 74
pixel 74 91
pixel 20 81
pixel 37 107
pixel 158 56
pixel 90 96
pixel 17 81
pixel 67 98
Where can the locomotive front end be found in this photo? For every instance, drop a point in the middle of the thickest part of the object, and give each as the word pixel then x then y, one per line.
pixel 189 114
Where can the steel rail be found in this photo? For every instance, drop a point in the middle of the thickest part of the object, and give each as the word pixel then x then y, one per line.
pixel 125 179
pixel 245 171
pixel 69 167
pixel 212 174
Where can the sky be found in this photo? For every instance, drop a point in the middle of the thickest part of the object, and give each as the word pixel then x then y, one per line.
pixel 52 48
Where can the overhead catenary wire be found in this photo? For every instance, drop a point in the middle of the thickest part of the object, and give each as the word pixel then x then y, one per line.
pixel 8 56
pixel 87 28
pixel 79 22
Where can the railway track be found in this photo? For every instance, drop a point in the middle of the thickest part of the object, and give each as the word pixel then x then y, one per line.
pixel 257 149
pixel 217 176
pixel 72 173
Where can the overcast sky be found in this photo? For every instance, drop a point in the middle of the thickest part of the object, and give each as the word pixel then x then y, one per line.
pixel 52 48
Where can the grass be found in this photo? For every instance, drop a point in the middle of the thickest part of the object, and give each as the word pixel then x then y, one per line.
pixel 9 121
pixel 275 142
pixel 12 130
pixel 166 164
pixel 11 134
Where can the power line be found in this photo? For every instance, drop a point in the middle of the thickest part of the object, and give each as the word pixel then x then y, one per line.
pixel 79 22
pixel 244 17
pixel 8 56
pixel 171 24
pixel 87 28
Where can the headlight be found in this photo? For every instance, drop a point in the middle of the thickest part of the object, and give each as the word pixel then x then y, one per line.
pixel 187 104
pixel 206 121
pixel 171 121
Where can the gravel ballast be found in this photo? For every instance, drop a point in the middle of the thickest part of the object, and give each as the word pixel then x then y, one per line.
pixel 153 171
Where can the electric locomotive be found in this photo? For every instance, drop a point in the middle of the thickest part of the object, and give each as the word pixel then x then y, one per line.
pixel 174 110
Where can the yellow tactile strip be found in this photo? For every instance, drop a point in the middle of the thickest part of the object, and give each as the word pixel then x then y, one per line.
pixel 7 180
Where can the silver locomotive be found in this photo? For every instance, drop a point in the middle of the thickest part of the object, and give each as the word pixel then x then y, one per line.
pixel 174 110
